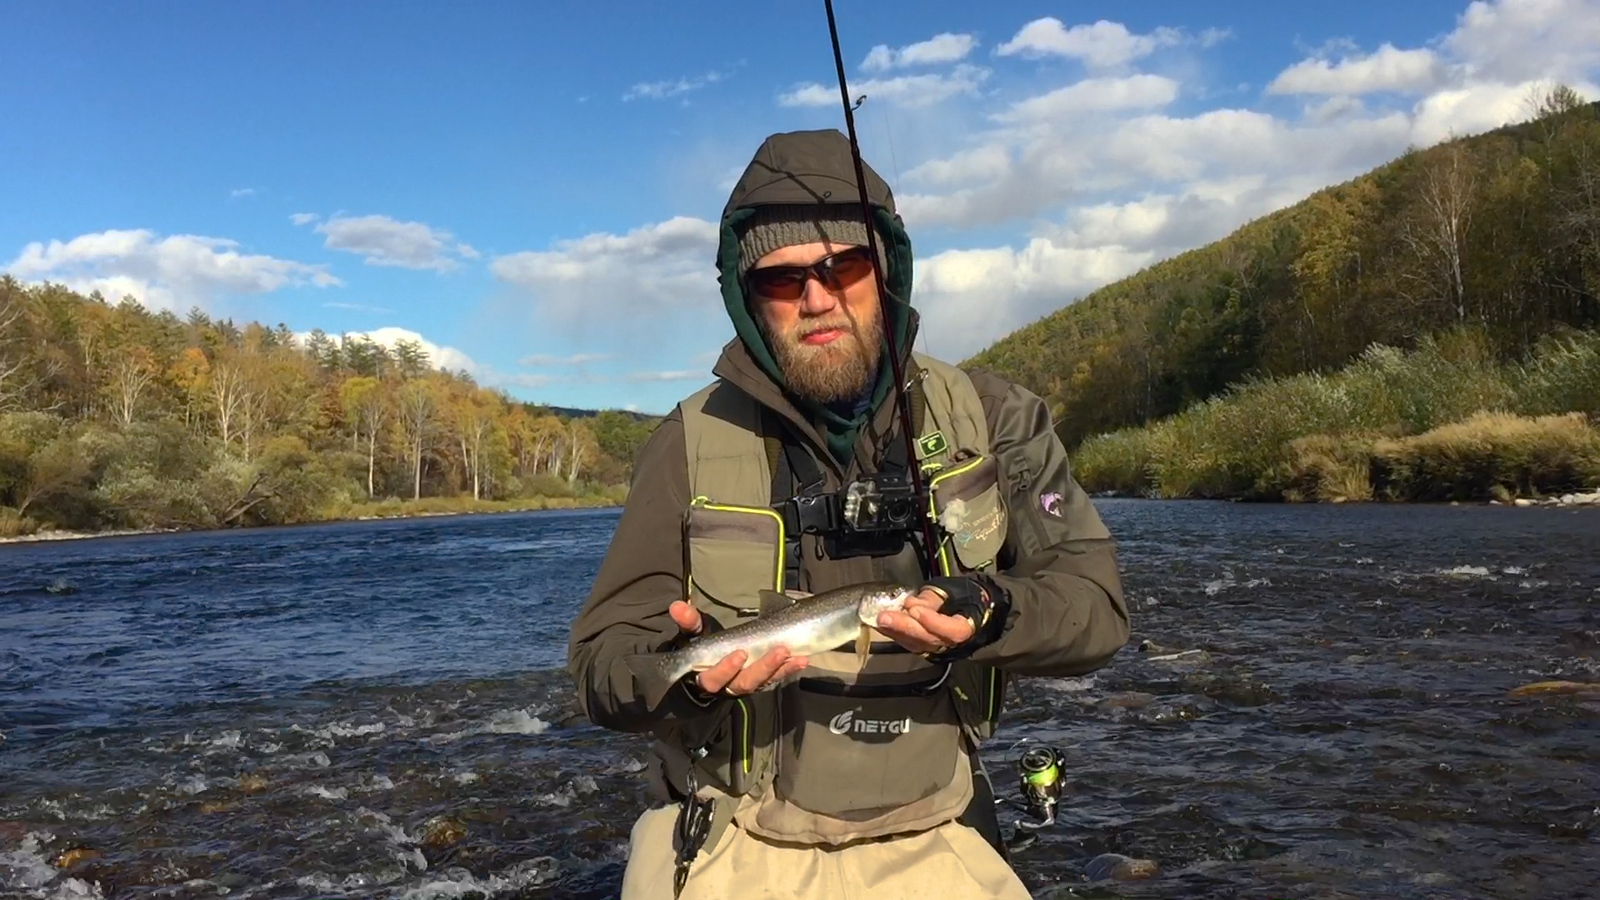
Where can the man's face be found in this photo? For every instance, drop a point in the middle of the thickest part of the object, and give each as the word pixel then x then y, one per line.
pixel 827 342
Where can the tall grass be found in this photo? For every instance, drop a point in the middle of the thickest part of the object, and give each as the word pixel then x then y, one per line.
pixel 14 524
pixel 394 507
pixel 1443 421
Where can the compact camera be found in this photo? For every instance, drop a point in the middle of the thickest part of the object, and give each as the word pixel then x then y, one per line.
pixel 880 503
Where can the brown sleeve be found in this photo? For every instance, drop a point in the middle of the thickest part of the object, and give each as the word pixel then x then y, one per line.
pixel 626 613
pixel 1068 616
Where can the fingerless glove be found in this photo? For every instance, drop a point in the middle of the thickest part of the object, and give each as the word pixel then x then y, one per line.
pixel 983 602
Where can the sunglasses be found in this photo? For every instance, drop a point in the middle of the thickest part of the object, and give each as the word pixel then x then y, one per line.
pixel 836 272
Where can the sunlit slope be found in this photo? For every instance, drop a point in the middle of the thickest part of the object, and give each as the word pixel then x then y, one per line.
pixel 1499 231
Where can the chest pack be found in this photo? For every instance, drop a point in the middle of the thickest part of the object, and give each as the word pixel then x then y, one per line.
pixel 851 749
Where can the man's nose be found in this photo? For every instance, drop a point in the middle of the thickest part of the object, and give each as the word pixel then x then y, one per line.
pixel 817 299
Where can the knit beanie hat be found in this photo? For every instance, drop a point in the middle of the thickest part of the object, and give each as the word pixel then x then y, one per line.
pixel 784 225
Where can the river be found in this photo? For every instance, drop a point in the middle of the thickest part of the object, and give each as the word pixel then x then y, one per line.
pixel 379 709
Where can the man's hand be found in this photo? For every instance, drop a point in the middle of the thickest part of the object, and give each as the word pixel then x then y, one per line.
pixel 731 676
pixel 921 629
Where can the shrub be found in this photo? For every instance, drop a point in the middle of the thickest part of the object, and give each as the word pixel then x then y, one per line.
pixel 1329 468
pixel 1116 461
pixel 1491 455
pixel 545 485
pixel 1562 376
pixel 14 524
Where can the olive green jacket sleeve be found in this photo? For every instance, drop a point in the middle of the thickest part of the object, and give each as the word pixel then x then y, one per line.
pixel 626 612
pixel 1059 564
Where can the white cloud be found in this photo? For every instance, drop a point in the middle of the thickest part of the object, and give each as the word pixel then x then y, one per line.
pixel 941 48
pixel 576 359
pixel 1509 43
pixel 242 192
pixel 384 241
pixel 1094 95
pixel 672 375
pixel 970 298
pixel 173 272
pixel 1102 45
pixel 438 356
pixel 660 90
pixel 905 90
pixel 359 307
pixel 626 280
pixel 1388 69
pixel 1513 41
pixel 1471 109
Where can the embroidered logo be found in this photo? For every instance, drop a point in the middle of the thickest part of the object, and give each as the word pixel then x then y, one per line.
pixel 1050 502
pixel 931 445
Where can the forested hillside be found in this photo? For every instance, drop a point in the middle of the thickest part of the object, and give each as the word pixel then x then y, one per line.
pixel 1498 234
pixel 112 416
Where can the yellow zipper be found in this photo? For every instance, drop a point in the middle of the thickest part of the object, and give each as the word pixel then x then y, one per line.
pixel 777 578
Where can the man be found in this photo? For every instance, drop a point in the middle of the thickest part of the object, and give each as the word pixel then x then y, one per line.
pixel 789 776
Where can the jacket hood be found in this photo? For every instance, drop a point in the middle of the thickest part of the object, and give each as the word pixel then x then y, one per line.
pixel 803 167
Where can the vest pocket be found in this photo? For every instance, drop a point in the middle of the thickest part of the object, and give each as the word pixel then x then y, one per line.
pixel 733 552
pixel 968 505
pixel 853 756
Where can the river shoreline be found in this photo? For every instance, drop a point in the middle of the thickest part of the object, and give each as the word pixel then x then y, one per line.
pixel 562 503
pixel 1566 501
pixel 1563 501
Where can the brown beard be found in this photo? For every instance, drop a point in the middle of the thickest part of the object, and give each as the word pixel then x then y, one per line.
pixel 839 371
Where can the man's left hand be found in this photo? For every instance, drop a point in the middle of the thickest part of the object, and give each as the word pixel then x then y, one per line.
pixel 921 629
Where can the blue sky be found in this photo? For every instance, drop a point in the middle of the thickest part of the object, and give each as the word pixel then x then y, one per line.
pixel 530 187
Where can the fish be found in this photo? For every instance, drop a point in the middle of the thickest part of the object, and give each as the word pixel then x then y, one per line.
pixel 810 625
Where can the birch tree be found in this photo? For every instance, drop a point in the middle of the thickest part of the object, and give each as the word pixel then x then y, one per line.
pixel 1437 232
pixel 367 407
pixel 418 410
pixel 131 376
pixel 581 450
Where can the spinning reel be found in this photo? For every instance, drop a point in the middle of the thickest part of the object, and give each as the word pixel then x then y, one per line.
pixel 1040 773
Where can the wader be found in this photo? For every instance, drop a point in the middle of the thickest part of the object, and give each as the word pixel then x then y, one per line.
pixel 854 779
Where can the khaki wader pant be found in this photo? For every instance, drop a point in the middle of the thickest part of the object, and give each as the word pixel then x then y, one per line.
pixel 950 861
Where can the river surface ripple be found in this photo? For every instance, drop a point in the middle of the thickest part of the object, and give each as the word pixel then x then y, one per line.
pixel 379 709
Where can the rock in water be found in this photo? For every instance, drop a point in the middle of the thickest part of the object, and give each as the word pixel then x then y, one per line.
pixel 70 857
pixel 443 831
pixel 1117 867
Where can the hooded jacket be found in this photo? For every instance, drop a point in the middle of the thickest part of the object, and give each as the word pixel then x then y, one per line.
pixel 817 167
pixel 1067 614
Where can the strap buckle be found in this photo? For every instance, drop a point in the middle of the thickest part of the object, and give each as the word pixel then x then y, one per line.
pixel 692 828
pixel 816 514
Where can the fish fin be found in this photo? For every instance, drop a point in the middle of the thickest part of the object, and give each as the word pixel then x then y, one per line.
pixel 774 601
pixel 656 674
pixel 863 645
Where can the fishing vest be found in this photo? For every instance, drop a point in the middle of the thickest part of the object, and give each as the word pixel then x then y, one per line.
pixel 851 749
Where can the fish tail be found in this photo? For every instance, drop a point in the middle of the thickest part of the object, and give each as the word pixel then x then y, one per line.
pixel 655 674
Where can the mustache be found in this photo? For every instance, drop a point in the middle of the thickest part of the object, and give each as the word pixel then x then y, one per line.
pixel 843 324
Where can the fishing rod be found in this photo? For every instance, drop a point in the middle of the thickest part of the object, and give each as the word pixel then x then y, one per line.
pixel 902 399
pixel 1041 770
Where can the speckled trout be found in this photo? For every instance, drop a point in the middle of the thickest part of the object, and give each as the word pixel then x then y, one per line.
pixel 810 625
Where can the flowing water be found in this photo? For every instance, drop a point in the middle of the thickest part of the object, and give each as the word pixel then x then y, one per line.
pixel 1317 702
